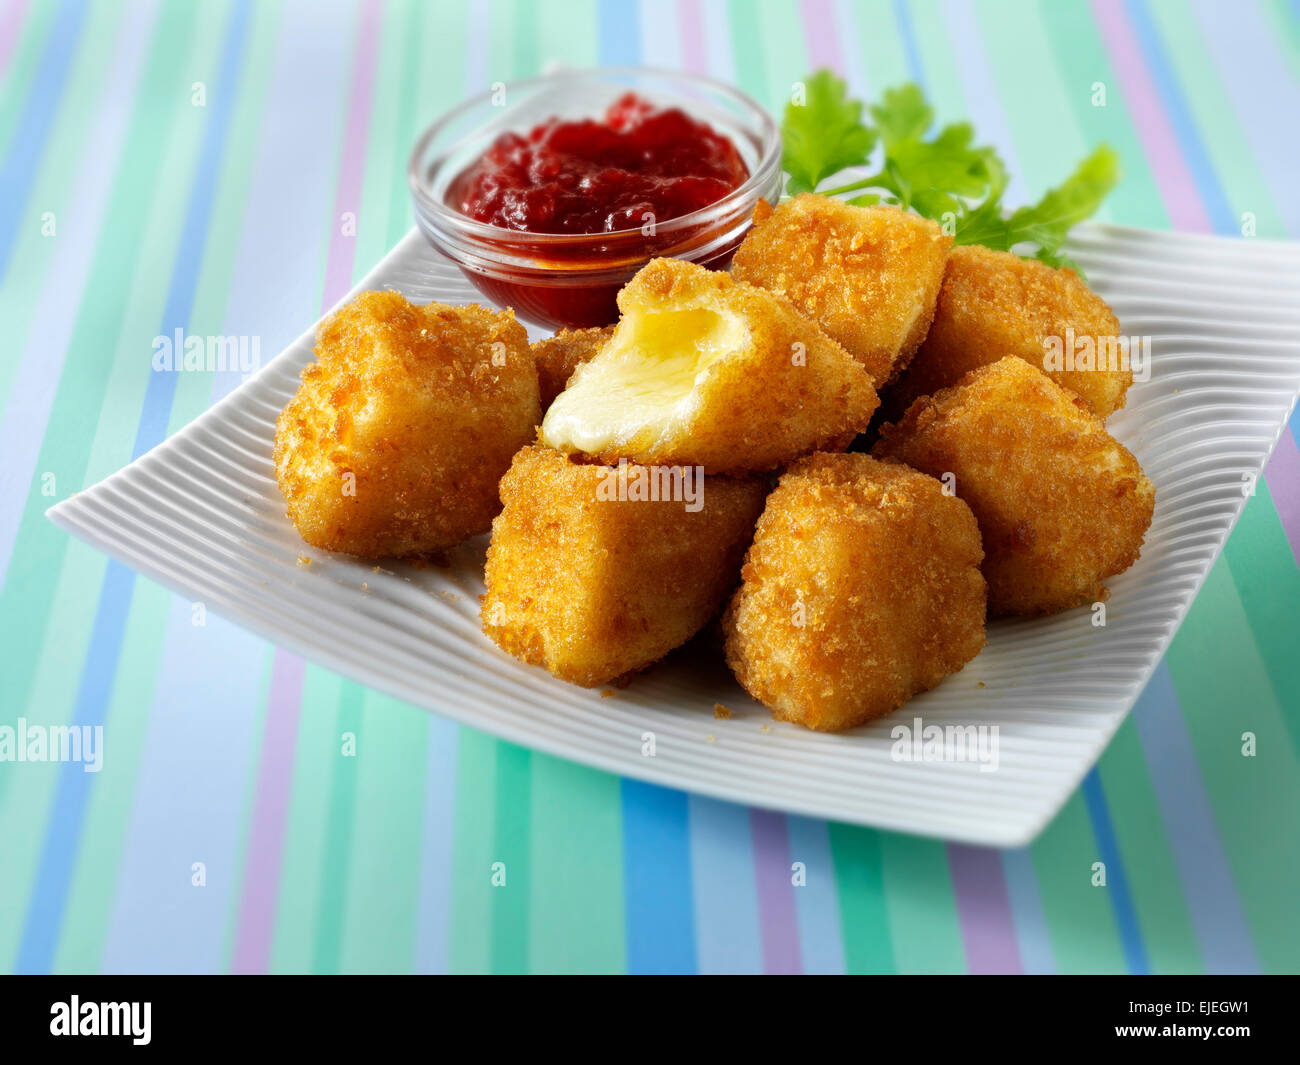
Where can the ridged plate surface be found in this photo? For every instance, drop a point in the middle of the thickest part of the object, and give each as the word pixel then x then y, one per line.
pixel 201 514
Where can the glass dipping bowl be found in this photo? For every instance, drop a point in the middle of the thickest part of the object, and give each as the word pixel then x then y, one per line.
pixel 566 279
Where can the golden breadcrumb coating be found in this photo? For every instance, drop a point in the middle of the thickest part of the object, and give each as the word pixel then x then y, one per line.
pixel 397 436
pixel 703 370
pixel 869 276
pixel 993 304
pixel 558 356
pixel 593 587
pixel 862 588
pixel 1061 504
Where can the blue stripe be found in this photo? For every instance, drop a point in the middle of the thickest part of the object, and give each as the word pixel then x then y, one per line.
pixel 657 880
pixel 62 840
pixel 906 31
pixel 1121 899
pixel 433 938
pixel 1032 936
pixel 161 389
pixel 821 938
pixel 18 171
pixel 727 931
pixel 1188 816
pixel 619 33
pixel 1180 117
pixel 99 670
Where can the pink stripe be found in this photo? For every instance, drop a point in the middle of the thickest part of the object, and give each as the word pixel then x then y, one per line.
pixel 1172 176
pixel 777 924
pixel 275 776
pixel 820 43
pixel 343 249
pixel 984 910
pixel 271 812
pixel 11 24
pixel 695 51
pixel 1283 474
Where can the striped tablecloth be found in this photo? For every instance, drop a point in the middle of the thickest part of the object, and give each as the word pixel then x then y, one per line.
pixel 189 166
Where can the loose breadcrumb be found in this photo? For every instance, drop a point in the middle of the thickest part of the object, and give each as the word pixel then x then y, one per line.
pixel 721 712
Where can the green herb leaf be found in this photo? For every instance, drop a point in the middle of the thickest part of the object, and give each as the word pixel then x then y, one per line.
pixel 947 177
pixel 1047 222
pixel 823 135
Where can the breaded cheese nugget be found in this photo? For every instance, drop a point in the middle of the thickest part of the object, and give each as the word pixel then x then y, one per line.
pixel 397 436
pixel 862 588
pixel 1061 504
pixel 594 573
pixel 704 370
pixel 869 276
pixel 558 356
pixel 993 304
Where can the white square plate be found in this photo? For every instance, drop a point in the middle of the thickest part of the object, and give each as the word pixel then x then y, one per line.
pixel 202 515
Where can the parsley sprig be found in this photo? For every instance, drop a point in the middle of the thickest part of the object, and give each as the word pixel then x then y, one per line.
pixel 943 175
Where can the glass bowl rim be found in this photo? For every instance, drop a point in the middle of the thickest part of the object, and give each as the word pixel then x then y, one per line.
pixel 769 142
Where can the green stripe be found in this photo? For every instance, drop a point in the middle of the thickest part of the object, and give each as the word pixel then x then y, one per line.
pixel 112 799
pixel 512 847
pixel 780 29
pixel 747 54
pixel 859 882
pixel 577 923
pixel 1080 921
pixel 525 58
pixel 1264 571
pixel 881 45
pixel 383 872
pixel 942 78
pixel 1224 691
pixel 57 174
pixel 924 926
pixel 474 848
pixel 1163 916
pixel 308 827
pixel 567 32
pixel 1084 60
pixel 1020 54
pixel 327 947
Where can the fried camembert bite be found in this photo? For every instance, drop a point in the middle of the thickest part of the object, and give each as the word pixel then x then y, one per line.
pixel 869 276
pixel 861 589
pixel 705 370
pixel 396 438
pixel 1061 504
pixel 559 355
pixel 595 572
pixel 993 304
